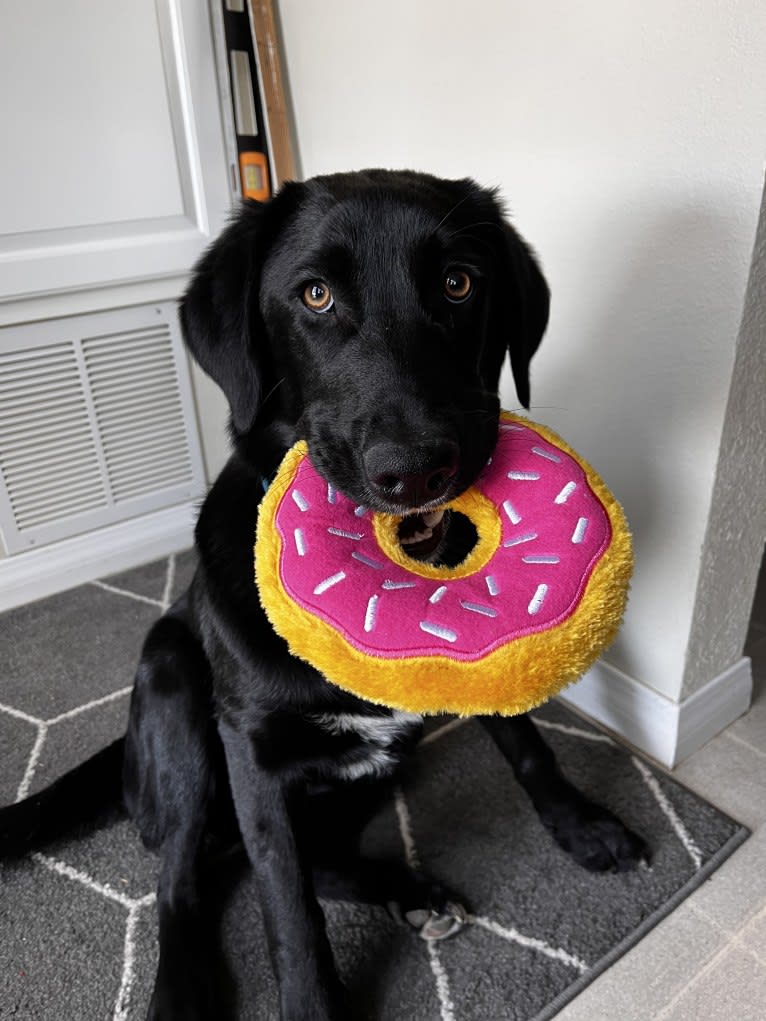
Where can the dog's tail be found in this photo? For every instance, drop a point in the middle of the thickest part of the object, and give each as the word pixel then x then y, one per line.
pixel 83 795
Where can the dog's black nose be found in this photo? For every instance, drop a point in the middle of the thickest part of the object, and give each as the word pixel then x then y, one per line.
pixel 412 475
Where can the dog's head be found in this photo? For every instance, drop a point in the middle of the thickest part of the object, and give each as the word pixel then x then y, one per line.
pixel 370 313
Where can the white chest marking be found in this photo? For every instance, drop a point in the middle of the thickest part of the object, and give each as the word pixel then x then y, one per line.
pixel 380 730
pixel 378 733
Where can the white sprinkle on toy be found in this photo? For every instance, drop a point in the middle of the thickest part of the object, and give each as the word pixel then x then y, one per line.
pixel 300 500
pixel 517 540
pixel 438 594
pixel 537 599
pixel 438 631
pixel 300 542
pixel 343 534
pixel 329 582
pixel 579 533
pixel 371 614
pixel 364 559
pixel 546 454
pixel 566 492
pixel 485 611
pixel 513 515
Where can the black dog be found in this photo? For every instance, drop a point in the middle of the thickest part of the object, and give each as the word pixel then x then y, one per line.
pixel 370 314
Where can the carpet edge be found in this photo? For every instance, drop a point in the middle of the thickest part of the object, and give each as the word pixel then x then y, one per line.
pixel 650 922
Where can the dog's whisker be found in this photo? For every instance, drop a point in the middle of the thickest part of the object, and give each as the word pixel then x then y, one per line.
pixel 462 232
pixel 273 390
pixel 448 214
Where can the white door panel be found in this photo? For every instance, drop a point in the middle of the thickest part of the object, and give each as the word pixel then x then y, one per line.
pixel 113 164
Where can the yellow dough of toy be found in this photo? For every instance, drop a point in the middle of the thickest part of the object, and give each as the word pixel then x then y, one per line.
pixel 529 609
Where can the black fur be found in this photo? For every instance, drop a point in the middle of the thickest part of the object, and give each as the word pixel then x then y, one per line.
pixel 225 740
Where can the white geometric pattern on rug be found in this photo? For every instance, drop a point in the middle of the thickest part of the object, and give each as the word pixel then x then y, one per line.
pixel 508 933
pixel 133 905
pixel 501 930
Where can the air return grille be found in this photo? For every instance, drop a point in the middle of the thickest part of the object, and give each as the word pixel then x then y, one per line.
pixel 96 423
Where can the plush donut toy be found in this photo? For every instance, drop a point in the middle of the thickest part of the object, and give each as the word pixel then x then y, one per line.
pixel 532 605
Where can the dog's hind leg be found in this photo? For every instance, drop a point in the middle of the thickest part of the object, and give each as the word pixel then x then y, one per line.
pixel 169 786
pixel 594 837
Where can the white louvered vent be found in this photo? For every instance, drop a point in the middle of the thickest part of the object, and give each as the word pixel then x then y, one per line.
pixel 96 423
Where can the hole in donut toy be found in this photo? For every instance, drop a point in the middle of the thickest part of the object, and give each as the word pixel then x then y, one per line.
pixel 444 538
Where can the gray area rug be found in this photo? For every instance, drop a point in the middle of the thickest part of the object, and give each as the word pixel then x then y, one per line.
pixel 77 923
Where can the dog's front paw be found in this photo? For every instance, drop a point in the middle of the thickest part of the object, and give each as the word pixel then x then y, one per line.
pixel 595 838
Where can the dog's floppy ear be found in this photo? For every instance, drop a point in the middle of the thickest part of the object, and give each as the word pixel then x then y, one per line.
pixel 220 318
pixel 526 314
pixel 519 296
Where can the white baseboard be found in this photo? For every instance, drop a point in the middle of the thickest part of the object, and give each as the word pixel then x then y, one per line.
pixel 62 565
pixel 665 730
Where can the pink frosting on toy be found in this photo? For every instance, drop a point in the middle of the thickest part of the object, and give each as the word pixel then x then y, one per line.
pixel 554 530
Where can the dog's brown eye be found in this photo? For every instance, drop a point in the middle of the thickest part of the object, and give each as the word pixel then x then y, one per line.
pixel 457 285
pixel 318 297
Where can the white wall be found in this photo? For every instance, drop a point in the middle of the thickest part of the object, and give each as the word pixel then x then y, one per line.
pixel 629 141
